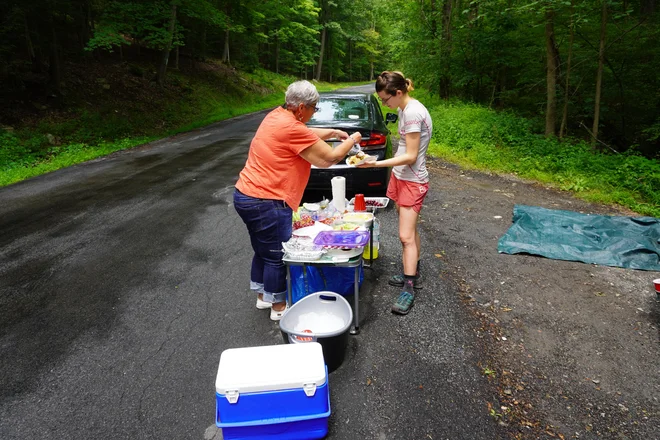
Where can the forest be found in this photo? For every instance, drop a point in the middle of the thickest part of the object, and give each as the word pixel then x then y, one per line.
pixel 578 71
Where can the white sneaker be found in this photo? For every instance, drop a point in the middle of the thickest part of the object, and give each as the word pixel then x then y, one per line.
pixel 263 305
pixel 277 315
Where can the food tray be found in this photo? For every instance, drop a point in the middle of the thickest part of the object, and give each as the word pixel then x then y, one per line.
pixel 373 202
pixel 362 218
pixel 347 239
pixel 304 255
pixel 302 249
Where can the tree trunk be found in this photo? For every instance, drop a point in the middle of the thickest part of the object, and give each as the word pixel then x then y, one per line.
pixel 277 55
pixel 162 70
pixel 646 8
pixel 202 48
pixel 350 59
pixel 55 67
pixel 552 66
pixel 225 52
pixel 85 24
pixel 599 75
pixel 176 58
pixel 319 66
pixel 446 49
pixel 432 21
pixel 564 118
pixel 28 41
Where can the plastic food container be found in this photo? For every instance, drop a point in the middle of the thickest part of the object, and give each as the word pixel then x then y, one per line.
pixel 305 255
pixel 302 249
pixel 373 202
pixel 346 239
pixel 341 225
pixel 361 218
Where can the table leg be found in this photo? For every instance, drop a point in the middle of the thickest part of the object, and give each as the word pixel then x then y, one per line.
pixel 356 301
pixel 288 285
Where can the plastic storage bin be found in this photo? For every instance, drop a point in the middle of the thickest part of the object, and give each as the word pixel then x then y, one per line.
pixel 323 317
pixel 289 402
pixel 349 239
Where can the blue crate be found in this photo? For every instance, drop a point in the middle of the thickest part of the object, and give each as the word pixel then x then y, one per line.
pixel 291 401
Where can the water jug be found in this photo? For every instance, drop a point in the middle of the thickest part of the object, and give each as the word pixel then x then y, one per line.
pixel 376 245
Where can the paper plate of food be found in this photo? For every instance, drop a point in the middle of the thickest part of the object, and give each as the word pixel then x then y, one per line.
pixel 359 159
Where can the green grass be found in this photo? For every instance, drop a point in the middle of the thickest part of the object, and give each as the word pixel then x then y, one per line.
pixel 479 138
pixel 64 157
pixel 53 144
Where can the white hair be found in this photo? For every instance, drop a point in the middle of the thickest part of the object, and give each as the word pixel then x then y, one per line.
pixel 301 92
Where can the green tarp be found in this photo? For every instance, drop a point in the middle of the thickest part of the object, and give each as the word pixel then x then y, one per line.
pixel 631 242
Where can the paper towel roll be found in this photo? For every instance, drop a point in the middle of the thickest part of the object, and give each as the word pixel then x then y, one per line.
pixel 339 193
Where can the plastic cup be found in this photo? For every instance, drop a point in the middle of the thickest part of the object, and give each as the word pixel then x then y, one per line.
pixel 359 204
pixel 656 283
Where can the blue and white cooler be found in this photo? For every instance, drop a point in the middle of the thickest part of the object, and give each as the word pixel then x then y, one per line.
pixel 273 392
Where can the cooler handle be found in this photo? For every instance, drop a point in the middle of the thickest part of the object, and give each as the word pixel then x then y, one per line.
pixel 232 396
pixel 310 389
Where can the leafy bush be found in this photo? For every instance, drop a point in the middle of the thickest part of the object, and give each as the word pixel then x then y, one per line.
pixel 12 152
pixel 478 137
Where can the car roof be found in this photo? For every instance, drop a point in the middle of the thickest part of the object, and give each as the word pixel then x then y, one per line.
pixel 345 95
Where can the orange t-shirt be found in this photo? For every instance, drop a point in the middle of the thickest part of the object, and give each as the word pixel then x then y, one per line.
pixel 274 169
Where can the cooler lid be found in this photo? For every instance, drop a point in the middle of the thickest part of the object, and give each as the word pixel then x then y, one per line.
pixel 271 368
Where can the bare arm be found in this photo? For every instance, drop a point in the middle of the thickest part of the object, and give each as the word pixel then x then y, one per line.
pixel 328 133
pixel 408 158
pixel 323 155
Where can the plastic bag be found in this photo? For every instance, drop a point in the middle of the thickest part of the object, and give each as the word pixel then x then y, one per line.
pixel 318 278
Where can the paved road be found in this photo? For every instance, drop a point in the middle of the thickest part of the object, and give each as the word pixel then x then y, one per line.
pixel 123 279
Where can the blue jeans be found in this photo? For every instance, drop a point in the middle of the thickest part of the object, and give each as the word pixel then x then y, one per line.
pixel 269 224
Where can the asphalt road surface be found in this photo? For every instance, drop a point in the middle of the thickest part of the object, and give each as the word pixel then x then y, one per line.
pixel 123 279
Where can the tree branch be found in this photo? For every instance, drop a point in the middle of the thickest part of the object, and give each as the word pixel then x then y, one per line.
pixel 596 139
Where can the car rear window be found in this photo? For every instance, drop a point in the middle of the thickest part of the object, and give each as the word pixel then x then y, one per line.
pixel 341 110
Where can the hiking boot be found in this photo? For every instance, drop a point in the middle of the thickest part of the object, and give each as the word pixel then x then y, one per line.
pixel 397 281
pixel 403 303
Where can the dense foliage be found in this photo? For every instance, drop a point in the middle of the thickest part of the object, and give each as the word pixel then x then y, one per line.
pixel 542 59
pixel 476 136
pixel 82 78
pixel 589 69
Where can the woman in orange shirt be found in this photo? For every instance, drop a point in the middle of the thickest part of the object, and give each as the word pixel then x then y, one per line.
pixel 272 183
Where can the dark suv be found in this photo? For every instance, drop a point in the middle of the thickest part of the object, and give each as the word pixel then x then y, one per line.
pixel 352 112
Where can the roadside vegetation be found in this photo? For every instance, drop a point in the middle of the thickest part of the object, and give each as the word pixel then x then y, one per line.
pixel 561 92
pixel 471 135
pixel 109 123
pixel 477 137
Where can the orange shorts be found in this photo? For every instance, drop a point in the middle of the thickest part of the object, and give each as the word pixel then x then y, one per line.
pixel 407 194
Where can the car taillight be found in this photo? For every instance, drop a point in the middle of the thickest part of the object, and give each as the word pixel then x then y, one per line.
pixel 375 140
